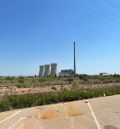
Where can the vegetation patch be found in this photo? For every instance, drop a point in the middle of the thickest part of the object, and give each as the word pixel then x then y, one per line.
pixel 29 100
pixel 26 82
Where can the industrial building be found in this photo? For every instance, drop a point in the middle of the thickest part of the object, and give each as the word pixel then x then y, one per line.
pixel 66 73
pixel 48 70
pixel 104 74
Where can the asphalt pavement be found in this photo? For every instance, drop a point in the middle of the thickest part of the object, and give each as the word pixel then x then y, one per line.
pixel 97 113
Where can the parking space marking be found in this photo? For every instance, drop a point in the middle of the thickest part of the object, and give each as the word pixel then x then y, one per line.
pixel 9 117
pixel 93 114
pixel 12 127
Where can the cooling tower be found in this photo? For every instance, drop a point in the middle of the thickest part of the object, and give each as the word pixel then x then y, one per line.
pixel 42 70
pixel 54 70
pixel 47 70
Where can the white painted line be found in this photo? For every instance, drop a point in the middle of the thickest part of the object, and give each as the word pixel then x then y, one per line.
pixel 10 117
pixel 93 114
pixel 66 116
pixel 13 126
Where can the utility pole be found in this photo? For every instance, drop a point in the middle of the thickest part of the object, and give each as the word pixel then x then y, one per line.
pixel 74 60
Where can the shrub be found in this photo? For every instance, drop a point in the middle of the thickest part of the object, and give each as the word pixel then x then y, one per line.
pixel 70 79
pixel 5 104
pixel 19 85
pixel 53 88
pixel 41 80
pixel 75 85
pixel 10 78
pixel 21 80
pixel 84 77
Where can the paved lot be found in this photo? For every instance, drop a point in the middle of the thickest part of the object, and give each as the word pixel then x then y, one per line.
pixel 98 113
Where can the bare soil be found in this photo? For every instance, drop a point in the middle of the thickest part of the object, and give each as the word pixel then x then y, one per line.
pixel 14 90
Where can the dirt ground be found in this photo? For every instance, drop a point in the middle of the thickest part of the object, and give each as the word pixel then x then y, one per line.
pixel 15 90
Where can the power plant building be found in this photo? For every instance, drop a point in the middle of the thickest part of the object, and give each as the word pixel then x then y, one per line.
pixel 52 69
pixel 66 73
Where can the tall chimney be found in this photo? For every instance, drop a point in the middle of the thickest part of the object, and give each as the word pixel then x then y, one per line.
pixel 74 60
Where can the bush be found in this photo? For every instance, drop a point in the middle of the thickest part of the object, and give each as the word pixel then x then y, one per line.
pixel 53 88
pixel 41 80
pixel 21 80
pixel 70 79
pixel 10 78
pixel 5 104
pixel 84 77
pixel 19 85
pixel 75 85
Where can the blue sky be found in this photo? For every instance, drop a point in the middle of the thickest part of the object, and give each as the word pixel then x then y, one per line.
pixel 35 32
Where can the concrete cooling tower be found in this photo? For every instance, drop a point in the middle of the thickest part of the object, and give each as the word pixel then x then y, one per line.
pixel 42 70
pixel 47 70
pixel 54 72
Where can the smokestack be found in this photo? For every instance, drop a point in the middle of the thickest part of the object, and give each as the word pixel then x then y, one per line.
pixel 74 60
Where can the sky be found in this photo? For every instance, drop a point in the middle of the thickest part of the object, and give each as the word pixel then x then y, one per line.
pixel 37 32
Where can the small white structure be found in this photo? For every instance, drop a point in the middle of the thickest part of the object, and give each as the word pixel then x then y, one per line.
pixel 104 74
pixel 42 70
pixel 47 70
pixel 54 71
